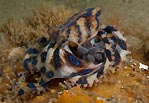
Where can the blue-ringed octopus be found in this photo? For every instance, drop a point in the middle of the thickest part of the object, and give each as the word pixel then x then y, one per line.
pixel 79 51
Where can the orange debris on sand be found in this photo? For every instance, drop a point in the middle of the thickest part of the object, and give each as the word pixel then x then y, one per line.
pixel 76 95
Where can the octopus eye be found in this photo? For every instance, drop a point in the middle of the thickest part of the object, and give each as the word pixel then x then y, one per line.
pixel 50 74
pixel 73 60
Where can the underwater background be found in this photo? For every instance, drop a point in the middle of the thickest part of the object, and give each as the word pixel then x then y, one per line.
pixel 127 85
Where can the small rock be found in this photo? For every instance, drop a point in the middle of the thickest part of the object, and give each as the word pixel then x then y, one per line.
pixel 142 66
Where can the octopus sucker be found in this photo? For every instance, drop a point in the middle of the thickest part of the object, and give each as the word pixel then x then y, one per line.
pixel 80 51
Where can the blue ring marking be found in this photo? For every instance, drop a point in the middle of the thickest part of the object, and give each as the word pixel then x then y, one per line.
pixel 113 46
pixel 26 62
pixel 79 33
pixel 87 14
pixel 100 72
pixel 88 25
pixel 73 60
pixel 85 71
pixel 31 51
pixel 121 44
pixel 109 29
pixel 56 58
pixel 105 40
pixel 34 61
pixel 43 70
pixel 108 54
pixel 73 74
pixel 98 13
pixel 43 84
pixel 31 85
pixel 113 38
pixel 82 81
pixel 100 33
pixel 43 56
pixel 117 58
pixel 42 40
pixel 50 74
pixel 89 9
pixel 21 92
